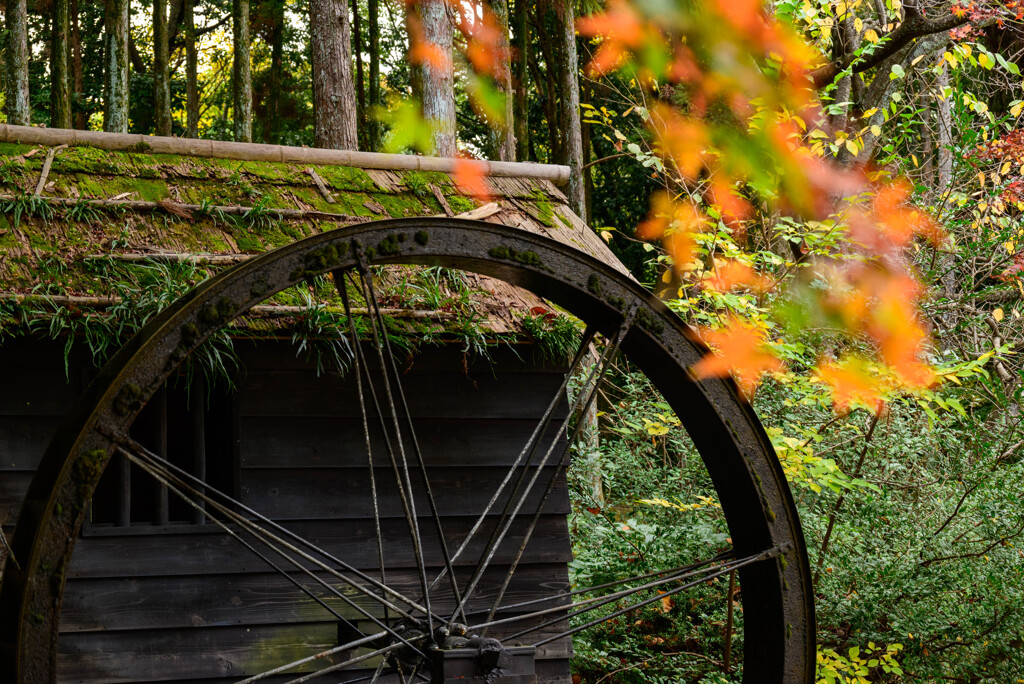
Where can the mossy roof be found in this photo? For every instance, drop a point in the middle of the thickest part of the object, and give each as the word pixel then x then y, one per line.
pixel 50 249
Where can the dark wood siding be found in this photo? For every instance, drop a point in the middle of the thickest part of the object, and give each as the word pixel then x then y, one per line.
pixel 181 602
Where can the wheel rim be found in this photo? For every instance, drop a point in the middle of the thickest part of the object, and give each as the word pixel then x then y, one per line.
pixel 778 604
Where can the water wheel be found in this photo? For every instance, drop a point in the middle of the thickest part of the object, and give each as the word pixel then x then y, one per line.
pixel 432 630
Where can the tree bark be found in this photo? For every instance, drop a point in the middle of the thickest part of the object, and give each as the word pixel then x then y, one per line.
pixel 115 58
pixel 438 83
pixel 272 130
pixel 334 98
pixel 569 102
pixel 357 40
pixel 547 50
pixel 60 62
pixel 77 76
pixel 373 19
pixel 161 69
pixel 191 73
pixel 16 53
pixel 502 132
pixel 241 69
pixel 522 80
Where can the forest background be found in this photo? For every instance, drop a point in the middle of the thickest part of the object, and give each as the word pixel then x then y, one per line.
pixel 876 332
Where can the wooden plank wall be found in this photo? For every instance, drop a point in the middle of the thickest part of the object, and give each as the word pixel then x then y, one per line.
pixel 182 603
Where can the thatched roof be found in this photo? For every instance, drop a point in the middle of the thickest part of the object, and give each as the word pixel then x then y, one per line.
pixel 73 199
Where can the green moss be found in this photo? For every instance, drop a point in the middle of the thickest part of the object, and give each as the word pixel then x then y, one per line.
pixel 149 190
pixel 460 204
pixel 345 178
pixel 419 182
pixel 594 284
pixel 422 237
pixel 398 206
pixel 9 149
pixel 391 245
pixel 90 160
pixel 545 209
pixel 648 320
pixel 529 258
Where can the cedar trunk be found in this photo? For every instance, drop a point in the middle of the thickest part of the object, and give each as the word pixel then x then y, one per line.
pixel 272 128
pixel 16 49
pixel 191 74
pixel 522 80
pixel 115 62
pixel 76 68
pixel 60 61
pixel 334 98
pixel 438 85
pixel 161 69
pixel 502 132
pixel 241 71
pixel 374 20
pixel 357 39
pixel 569 102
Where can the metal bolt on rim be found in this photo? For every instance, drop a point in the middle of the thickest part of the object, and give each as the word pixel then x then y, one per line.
pixel 768 549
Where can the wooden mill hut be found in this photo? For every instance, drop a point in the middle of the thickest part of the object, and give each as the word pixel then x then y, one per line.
pixel 99 232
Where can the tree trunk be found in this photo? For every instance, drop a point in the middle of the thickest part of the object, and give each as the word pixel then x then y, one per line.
pixel 272 130
pixel 587 95
pixel 161 69
pixel 77 76
pixel 60 61
pixel 357 39
pixel 522 80
pixel 502 132
pixel 191 73
pixel 547 51
pixel 374 21
pixel 241 71
pixel 439 84
pixel 334 97
pixel 569 102
pixel 16 49
pixel 115 58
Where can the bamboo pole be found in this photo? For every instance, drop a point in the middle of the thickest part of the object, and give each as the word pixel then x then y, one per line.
pixel 128 142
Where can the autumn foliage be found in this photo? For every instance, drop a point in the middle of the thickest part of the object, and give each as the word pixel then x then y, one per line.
pixel 713 175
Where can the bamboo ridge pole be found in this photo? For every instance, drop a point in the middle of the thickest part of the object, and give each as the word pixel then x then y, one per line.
pixel 127 142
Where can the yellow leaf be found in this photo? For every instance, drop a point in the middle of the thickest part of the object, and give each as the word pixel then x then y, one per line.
pixel 1005 168
pixel 981 178
pixel 852 147
pixel 949 57
pixel 666 277
pixel 998 315
pixel 1015 109
pixel 876 131
pixel 858 24
pixel 1009 246
pixel 986 61
pixel 914 158
pixel 869 113
pixel 871 36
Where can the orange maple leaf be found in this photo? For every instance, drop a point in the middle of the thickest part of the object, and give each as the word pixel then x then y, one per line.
pixel 471 177
pixel 851 382
pixel 622 31
pixel 740 349
pixel 730 274
pixel 674 223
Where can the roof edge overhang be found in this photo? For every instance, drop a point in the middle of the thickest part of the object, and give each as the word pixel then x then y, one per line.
pixel 195 147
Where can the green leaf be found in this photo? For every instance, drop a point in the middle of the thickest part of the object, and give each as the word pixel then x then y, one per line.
pixel 896 72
